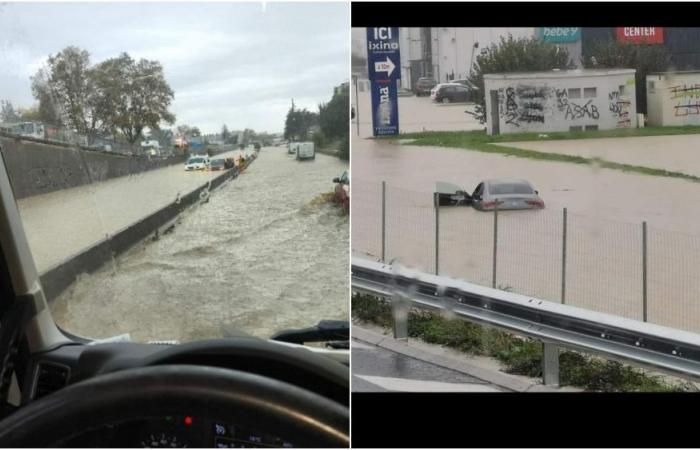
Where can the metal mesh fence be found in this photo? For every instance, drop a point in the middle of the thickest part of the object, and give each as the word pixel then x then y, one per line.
pixel 673 279
pixel 366 217
pixel 588 262
pixel 410 228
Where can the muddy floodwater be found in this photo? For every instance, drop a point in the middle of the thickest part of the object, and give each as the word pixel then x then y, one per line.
pixel 267 252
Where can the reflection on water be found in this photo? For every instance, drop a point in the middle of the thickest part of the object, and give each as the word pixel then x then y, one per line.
pixel 267 252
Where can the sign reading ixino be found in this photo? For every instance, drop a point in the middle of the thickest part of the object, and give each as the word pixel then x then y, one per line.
pixel 640 35
pixel 560 34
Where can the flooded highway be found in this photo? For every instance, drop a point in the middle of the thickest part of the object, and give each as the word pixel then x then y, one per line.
pixel 266 253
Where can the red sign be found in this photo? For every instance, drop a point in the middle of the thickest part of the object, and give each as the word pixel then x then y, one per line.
pixel 640 35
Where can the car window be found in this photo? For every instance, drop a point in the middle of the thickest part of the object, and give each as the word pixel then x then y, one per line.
pixel 509 188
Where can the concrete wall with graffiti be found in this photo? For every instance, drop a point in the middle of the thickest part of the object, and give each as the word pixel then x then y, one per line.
pixel 673 99
pixel 577 100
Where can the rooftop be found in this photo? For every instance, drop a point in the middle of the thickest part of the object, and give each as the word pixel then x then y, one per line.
pixel 560 73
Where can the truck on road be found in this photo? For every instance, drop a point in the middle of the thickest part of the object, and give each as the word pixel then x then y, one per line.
pixel 305 150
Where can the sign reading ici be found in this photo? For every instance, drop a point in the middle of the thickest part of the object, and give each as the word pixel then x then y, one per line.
pixel 384 69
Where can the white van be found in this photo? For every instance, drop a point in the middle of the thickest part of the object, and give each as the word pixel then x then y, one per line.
pixel 305 150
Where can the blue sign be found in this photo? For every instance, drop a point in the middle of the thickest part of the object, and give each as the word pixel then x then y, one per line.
pixel 383 58
pixel 384 70
pixel 385 107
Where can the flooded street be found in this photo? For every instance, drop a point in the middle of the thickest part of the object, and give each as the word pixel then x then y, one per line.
pixel 417 114
pixel 606 208
pixel 267 252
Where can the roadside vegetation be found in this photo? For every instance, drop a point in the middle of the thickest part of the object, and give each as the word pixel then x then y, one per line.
pixel 482 142
pixel 520 356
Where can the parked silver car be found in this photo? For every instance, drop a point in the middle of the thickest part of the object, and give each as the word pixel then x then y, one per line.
pixel 501 193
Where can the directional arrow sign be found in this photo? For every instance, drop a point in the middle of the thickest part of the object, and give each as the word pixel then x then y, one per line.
pixel 385 66
pixel 383 56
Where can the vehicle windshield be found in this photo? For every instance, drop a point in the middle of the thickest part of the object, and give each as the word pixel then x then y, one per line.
pixel 509 188
pixel 131 242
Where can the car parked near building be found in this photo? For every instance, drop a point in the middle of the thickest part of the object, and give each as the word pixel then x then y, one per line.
pixel 451 93
pixel 423 86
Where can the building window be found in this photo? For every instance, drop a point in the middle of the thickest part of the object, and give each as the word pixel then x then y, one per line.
pixel 590 92
pixel 591 127
pixel 575 128
pixel 575 93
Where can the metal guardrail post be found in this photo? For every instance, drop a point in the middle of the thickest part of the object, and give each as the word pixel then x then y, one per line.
pixel 550 364
pixel 644 271
pixel 436 202
pixel 383 221
pixel 495 243
pixel 563 259
pixel 399 306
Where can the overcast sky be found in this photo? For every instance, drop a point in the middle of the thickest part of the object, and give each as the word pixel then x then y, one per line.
pixel 234 63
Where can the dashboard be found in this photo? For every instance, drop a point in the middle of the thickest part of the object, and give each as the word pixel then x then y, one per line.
pixel 176 431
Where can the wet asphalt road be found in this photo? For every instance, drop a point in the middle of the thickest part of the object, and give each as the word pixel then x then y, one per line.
pixel 376 369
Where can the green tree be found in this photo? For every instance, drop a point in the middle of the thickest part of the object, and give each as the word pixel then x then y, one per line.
pixel 32 114
pixel 225 134
pixel 644 58
pixel 8 113
pixel 49 110
pixel 72 89
pixel 333 116
pixel 298 124
pixel 133 95
pixel 515 55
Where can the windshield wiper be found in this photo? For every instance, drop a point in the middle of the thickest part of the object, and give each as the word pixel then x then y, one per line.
pixel 324 331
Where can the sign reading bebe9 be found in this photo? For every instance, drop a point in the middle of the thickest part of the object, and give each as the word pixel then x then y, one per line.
pixel 560 34
pixel 640 35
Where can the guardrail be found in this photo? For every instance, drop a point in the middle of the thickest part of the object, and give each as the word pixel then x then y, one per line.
pixel 555 325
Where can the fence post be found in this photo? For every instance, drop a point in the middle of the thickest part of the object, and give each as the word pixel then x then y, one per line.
pixel 550 363
pixel 436 202
pixel 644 271
pixel 383 221
pixel 495 243
pixel 563 260
pixel 399 306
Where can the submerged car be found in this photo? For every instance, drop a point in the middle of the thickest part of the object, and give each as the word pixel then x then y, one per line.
pixel 501 194
pixel 342 190
pixel 217 164
pixel 197 163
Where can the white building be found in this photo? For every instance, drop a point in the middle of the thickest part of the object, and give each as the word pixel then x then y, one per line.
pixel 447 53
pixel 673 99
pixel 567 100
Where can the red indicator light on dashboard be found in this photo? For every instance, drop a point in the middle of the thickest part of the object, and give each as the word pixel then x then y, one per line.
pixel 188 420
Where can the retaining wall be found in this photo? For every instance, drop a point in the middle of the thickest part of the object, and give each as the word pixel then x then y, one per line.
pixel 38 167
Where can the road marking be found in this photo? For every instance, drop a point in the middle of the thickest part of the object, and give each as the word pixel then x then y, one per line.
pixel 408 385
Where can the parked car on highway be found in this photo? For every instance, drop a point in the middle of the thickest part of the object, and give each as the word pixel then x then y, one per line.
pixel 450 93
pixel 217 164
pixel 501 194
pixel 342 190
pixel 423 86
pixel 197 163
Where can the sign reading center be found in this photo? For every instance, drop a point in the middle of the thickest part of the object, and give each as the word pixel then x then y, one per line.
pixel 640 35
pixel 384 70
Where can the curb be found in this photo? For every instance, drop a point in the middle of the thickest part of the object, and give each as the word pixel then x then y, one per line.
pixel 408 348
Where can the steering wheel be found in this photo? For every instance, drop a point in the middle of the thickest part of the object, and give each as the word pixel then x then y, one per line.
pixel 306 418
